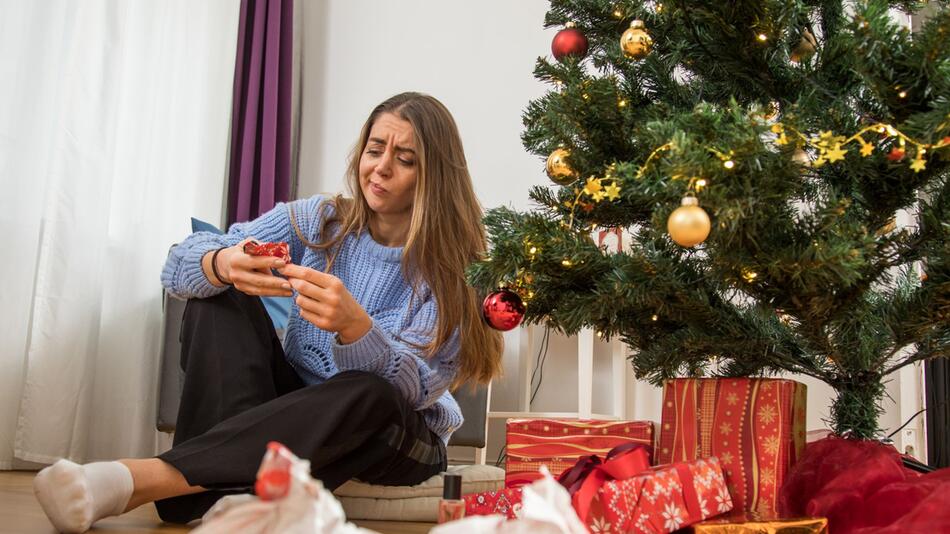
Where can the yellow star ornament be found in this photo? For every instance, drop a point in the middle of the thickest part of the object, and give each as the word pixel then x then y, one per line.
pixel 867 149
pixel 836 154
pixel 612 191
pixel 918 164
pixel 592 186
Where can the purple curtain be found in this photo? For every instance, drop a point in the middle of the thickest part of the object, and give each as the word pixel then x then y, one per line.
pixel 259 172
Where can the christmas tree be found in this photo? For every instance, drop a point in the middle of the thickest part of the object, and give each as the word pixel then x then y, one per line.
pixel 793 133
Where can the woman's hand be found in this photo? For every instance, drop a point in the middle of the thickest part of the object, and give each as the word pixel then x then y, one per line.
pixel 249 274
pixel 326 303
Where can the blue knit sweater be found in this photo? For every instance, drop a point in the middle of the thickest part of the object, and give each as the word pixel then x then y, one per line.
pixel 373 275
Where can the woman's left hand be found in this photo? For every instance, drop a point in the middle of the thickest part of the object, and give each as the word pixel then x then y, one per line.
pixel 326 303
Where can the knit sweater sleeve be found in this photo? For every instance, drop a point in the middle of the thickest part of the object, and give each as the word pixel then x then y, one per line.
pixel 182 274
pixel 396 358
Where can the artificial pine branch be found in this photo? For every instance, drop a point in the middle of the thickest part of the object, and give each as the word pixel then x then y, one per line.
pixel 804 270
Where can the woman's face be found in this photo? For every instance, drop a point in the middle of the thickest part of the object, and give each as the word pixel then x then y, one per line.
pixel 388 166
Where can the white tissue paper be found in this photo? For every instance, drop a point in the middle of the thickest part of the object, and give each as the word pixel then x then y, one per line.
pixel 289 501
pixel 545 509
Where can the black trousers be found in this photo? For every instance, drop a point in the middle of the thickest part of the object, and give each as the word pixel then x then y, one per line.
pixel 240 393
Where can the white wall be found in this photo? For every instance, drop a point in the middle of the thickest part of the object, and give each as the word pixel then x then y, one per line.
pixel 478 58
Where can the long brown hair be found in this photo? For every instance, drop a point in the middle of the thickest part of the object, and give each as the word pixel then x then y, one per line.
pixel 445 231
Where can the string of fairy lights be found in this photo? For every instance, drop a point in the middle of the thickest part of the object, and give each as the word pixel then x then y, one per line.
pixel 686 230
pixel 689 225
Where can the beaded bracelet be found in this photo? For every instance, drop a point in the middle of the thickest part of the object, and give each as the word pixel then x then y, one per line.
pixel 214 267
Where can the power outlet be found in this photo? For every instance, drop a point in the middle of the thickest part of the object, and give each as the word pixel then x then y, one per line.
pixel 909 442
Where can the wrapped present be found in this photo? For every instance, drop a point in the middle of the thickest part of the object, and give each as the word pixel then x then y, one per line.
pixel 612 240
pixel 622 494
pixel 278 250
pixel 506 502
pixel 754 523
pixel 559 443
pixel 755 427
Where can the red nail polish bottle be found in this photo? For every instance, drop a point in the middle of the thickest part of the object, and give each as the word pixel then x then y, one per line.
pixel 451 506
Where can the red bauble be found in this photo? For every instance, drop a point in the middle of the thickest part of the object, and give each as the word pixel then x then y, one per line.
pixel 569 42
pixel 896 154
pixel 503 310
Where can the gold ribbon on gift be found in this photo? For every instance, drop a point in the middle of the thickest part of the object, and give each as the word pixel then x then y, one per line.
pixel 752 524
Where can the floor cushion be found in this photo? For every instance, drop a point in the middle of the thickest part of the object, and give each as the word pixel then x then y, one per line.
pixel 413 503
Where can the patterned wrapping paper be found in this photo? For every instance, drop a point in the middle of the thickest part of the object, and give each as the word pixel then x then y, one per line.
pixel 658 501
pixel 506 502
pixel 755 426
pixel 558 443
pixel 753 523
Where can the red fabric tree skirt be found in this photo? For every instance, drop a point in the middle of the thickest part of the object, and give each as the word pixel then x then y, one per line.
pixel 863 487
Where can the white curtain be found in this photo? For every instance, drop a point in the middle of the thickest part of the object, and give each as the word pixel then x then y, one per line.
pixel 113 131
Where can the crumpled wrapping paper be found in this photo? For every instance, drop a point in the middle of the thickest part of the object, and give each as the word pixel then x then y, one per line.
pixel 298 505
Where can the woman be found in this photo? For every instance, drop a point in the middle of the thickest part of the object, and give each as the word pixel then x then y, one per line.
pixel 382 326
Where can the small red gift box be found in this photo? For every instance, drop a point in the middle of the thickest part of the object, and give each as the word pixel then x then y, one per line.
pixel 642 499
pixel 278 250
pixel 559 443
pixel 506 502
pixel 754 426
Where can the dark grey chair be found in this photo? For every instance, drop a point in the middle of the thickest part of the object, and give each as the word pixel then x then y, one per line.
pixel 474 404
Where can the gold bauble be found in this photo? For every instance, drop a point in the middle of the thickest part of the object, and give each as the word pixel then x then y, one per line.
pixel 689 224
pixel 636 42
pixel 558 169
pixel 805 48
pixel 801 157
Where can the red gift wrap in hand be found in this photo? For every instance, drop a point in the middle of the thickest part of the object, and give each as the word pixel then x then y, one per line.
pixel 278 250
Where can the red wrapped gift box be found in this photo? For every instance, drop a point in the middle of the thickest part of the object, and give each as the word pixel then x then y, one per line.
pixel 662 499
pixel 657 500
pixel 506 502
pixel 754 426
pixel 559 443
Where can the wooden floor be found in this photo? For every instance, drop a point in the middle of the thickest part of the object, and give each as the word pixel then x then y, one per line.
pixel 20 513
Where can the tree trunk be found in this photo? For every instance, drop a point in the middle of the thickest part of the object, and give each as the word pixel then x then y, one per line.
pixel 858 405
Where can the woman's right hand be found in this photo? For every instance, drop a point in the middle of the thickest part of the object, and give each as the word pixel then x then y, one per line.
pixel 250 274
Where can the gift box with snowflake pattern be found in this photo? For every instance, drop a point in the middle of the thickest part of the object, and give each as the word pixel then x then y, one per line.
pixel 754 426
pixel 663 499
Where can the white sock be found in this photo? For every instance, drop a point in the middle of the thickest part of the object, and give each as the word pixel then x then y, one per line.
pixel 75 496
